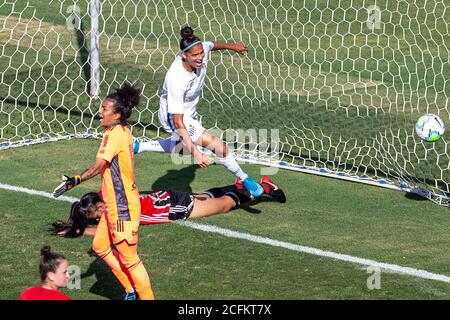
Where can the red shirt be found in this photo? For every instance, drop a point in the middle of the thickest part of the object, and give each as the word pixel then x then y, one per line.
pixel 155 207
pixel 41 293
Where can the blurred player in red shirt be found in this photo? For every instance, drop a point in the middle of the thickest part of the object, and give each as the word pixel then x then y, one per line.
pixel 54 276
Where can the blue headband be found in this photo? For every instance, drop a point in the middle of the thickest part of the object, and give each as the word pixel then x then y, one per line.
pixel 191 45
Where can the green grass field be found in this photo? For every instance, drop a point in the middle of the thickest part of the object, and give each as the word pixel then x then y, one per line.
pixel 361 221
pixel 342 96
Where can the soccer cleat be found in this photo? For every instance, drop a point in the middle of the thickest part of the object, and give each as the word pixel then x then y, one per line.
pixel 131 295
pixel 272 190
pixel 238 184
pixel 136 145
pixel 268 180
pixel 253 187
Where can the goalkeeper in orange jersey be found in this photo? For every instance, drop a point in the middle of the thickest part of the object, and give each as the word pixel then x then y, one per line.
pixel 119 225
pixel 166 205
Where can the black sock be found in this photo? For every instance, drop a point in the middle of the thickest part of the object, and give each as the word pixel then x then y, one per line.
pixel 219 192
pixel 238 197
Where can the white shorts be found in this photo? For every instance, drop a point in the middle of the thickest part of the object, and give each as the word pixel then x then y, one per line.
pixel 193 126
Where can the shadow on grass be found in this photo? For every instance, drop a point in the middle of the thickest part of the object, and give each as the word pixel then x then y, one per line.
pixel 107 284
pixel 415 196
pixel 249 207
pixel 179 180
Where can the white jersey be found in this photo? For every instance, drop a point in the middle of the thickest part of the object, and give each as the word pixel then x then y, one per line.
pixel 182 89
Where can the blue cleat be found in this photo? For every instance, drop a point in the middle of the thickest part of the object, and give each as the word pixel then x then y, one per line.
pixel 255 189
pixel 136 144
pixel 131 295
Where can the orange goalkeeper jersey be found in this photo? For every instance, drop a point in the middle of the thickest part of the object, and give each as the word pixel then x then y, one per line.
pixel 119 189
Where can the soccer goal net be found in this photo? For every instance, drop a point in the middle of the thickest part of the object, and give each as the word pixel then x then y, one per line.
pixel 329 87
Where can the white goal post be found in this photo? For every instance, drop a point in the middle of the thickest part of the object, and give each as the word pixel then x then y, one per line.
pixel 328 87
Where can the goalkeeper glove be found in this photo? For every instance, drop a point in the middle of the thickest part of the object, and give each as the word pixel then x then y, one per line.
pixel 67 184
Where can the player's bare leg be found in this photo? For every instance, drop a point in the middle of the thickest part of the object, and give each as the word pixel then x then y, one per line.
pixel 204 206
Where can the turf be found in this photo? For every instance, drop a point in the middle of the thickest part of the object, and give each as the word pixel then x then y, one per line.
pixel 341 95
pixel 363 221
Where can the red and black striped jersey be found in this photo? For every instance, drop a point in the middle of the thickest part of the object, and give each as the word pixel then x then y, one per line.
pixel 155 207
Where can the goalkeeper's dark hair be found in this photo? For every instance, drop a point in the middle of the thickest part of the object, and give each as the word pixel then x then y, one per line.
pixel 49 261
pixel 126 98
pixel 78 219
pixel 188 38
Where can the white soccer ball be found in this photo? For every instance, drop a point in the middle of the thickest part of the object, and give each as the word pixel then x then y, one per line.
pixel 430 127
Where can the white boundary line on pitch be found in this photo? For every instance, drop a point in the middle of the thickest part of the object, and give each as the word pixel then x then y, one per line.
pixel 267 241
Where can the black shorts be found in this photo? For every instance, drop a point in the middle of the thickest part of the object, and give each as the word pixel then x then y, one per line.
pixel 181 205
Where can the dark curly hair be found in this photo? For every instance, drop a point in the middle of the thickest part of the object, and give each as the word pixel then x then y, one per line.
pixel 78 219
pixel 49 261
pixel 126 97
pixel 187 38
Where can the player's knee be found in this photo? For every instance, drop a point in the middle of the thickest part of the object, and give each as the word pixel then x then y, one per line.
pixel 229 205
pixel 221 149
pixel 100 248
pixel 225 149
pixel 130 262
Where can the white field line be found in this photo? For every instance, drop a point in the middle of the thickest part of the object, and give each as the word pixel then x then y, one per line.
pixel 37 193
pixel 267 241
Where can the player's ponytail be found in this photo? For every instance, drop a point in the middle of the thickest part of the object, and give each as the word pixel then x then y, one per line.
pixel 49 261
pixel 127 97
pixel 188 39
pixel 78 219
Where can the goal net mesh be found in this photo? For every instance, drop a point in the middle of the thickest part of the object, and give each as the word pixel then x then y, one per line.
pixel 340 83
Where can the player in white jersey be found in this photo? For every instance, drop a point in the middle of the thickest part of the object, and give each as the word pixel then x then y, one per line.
pixel 178 115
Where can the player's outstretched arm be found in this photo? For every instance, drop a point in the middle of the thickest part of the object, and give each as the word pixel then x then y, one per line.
pixel 238 47
pixel 70 182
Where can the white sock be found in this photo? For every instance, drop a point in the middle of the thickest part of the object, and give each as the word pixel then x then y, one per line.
pixel 231 164
pixel 165 145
